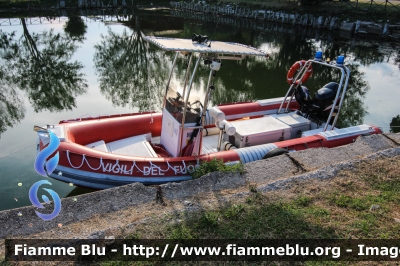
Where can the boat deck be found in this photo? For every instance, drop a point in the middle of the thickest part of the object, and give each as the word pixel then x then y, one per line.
pixel 249 132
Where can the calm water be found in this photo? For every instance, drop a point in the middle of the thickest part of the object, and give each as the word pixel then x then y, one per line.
pixel 82 66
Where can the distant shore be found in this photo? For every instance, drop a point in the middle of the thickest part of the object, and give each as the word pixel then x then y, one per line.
pixel 354 9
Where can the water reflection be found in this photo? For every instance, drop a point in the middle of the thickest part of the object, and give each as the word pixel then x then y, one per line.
pixel 39 65
pixel 291 49
pixel 131 73
pixel 75 27
pixel 12 109
pixel 44 70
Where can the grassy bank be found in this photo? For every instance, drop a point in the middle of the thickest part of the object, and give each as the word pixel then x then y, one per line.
pixel 358 204
pixel 337 208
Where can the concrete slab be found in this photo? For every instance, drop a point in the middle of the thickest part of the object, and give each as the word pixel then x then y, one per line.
pixel 312 159
pixel 389 153
pixel 393 136
pixel 376 142
pixel 212 182
pixel 264 171
pixel 23 221
pixel 316 158
pixel 329 171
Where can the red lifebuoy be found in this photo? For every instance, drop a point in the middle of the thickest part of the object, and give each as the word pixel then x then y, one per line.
pixel 293 70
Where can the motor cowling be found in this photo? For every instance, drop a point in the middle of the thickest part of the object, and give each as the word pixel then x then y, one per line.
pixel 323 99
pixel 303 98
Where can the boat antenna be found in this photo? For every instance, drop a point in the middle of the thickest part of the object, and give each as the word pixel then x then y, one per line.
pixel 215 29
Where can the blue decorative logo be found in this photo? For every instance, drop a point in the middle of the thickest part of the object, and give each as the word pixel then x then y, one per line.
pixel 35 201
pixel 51 164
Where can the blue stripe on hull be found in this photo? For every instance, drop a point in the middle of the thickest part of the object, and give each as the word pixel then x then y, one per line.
pixel 103 181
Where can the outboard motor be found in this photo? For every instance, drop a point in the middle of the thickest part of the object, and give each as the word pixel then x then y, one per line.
pixel 302 96
pixel 324 99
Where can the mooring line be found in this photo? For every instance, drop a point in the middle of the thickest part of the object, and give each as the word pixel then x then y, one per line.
pixel 17 151
pixel 296 163
pixel 392 140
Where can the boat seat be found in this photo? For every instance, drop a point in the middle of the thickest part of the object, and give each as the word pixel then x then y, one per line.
pixel 133 146
pixel 98 145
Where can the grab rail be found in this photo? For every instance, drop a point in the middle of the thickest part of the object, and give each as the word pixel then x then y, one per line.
pixel 345 74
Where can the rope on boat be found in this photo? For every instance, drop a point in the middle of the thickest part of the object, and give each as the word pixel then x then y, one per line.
pixel 83 160
pixel 116 168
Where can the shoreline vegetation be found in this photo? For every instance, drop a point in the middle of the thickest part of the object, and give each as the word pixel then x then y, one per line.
pixel 354 9
pixel 366 18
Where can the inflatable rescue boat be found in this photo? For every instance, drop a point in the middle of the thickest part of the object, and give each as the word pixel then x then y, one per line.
pixel 155 148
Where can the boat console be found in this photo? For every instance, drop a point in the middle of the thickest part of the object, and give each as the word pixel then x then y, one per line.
pixel 174 105
pixel 173 114
pixel 181 121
